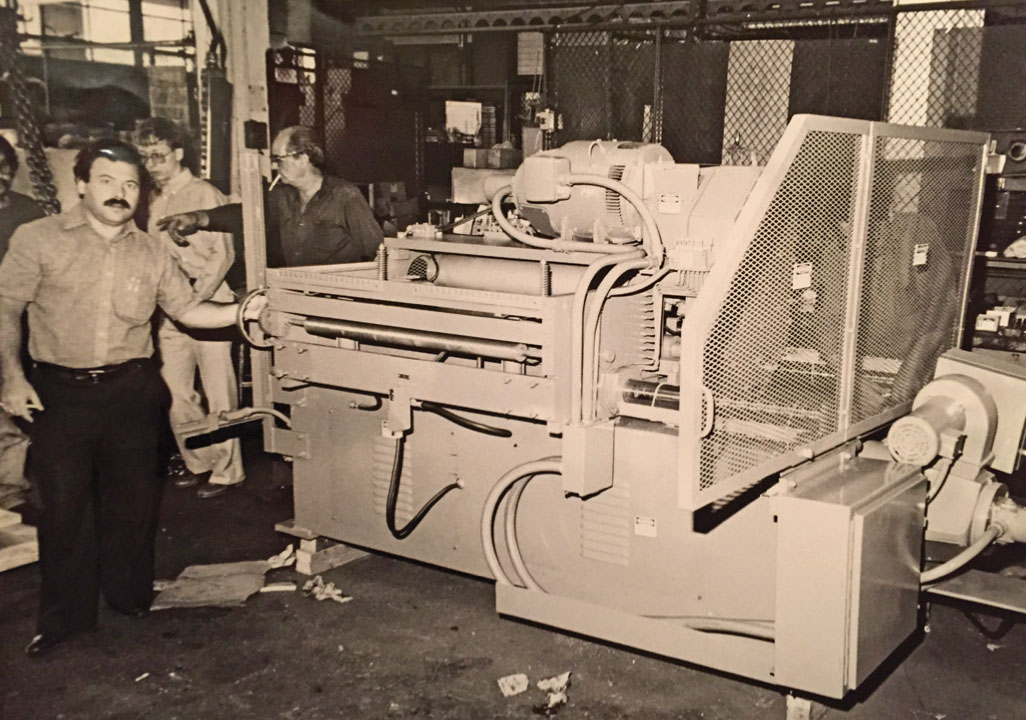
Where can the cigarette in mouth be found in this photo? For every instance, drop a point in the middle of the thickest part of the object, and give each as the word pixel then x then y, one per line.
pixel 274 182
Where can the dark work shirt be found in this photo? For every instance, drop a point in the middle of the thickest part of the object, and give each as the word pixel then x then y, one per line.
pixel 20 210
pixel 336 226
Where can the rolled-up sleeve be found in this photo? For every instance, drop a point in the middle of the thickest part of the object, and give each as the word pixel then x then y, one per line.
pixel 174 294
pixel 21 270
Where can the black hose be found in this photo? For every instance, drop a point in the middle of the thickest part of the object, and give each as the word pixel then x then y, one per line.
pixel 466 422
pixel 393 494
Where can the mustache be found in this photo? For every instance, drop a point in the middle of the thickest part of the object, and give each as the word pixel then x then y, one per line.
pixel 118 202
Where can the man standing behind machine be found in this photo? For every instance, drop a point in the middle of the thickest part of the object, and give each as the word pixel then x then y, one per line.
pixel 318 219
pixel 205 258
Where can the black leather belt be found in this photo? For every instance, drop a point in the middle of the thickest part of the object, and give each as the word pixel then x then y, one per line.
pixel 95 374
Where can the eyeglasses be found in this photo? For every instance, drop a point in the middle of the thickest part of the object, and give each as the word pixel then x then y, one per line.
pixel 276 159
pixel 155 158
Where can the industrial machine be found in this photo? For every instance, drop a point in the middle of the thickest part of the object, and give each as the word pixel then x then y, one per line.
pixel 711 413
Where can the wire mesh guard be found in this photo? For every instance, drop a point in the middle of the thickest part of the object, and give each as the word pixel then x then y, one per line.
pixel 775 360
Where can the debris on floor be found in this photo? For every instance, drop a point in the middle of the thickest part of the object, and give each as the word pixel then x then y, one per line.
pixel 278 587
pixel 220 585
pixel 286 558
pixel 556 686
pixel 319 590
pixel 511 685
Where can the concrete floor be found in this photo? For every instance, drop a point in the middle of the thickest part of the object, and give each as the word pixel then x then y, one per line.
pixel 417 642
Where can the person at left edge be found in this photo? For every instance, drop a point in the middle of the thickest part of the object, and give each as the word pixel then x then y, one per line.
pixel 15 209
pixel 90 281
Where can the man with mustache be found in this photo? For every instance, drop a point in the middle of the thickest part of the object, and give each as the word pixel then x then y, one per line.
pixel 184 353
pixel 90 281
pixel 15 209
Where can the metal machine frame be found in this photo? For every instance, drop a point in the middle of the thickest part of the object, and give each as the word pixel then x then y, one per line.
pixel 657 428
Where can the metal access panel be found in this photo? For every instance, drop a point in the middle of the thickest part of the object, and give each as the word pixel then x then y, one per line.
pixel 849 541
pixel 837 288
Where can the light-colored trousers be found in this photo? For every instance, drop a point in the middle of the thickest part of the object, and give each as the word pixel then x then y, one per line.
pixel 181 356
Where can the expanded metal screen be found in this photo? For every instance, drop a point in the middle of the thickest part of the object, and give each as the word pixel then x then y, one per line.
pixel 831 300
pixel 772 356
pixel 920 230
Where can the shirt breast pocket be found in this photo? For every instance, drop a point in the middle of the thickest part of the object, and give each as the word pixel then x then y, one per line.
pixel 135 298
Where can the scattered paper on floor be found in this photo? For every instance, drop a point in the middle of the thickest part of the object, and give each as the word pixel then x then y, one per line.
pixel 556 687
pixel 319 590
pixel 511 685
pixel 219 585
pixel 285 558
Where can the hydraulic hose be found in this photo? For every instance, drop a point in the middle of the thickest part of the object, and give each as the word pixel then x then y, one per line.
pixel 577 325
pixel 393 495
pixel 465 422
pixel 591 322
pixel 944 469
pixel 992 533
pixel 547 243
pixel 285 419
pixel 534 467
pixel 512 544
pixel 652 240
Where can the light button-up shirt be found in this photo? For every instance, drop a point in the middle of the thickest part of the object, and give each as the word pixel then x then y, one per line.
pixel 90 299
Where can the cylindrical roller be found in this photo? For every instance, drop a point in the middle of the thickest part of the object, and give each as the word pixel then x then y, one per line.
pixel 419 339
pixel 502 275
pixel 653 394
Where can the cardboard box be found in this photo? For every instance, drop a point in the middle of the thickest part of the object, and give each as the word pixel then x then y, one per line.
pixel 475 157
pixel 500 158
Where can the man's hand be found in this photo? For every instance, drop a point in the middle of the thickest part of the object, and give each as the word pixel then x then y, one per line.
pixel 254 308
pixel 182 224
pixel 19 398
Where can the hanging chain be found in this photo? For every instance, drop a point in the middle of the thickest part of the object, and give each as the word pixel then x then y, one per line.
pixel 28 128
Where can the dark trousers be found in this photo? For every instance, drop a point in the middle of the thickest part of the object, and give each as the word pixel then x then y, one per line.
pixel 94 455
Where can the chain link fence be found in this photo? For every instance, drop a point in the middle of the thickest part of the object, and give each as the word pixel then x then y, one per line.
pixel 724 92
pixel 716 90
pixel 367 115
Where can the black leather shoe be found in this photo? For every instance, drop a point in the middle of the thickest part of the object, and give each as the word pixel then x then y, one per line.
pixel 211 490
pixel 189 480
pixel 40 645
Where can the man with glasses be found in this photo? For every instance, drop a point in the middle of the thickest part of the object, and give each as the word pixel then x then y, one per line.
pixel 205 259
pixel 15 209
pixel 319 219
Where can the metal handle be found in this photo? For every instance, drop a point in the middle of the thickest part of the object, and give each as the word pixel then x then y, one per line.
pixel 708 406
pixel 241 322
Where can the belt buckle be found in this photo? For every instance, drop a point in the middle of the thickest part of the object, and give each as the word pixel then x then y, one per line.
pixel 92 376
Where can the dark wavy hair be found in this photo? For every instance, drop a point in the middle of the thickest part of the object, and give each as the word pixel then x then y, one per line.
pixel 300 138
pixel 9 155
pixel 116 151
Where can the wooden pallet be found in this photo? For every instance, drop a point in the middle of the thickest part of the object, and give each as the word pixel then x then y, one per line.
pixel 317 554
pixel 18 545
